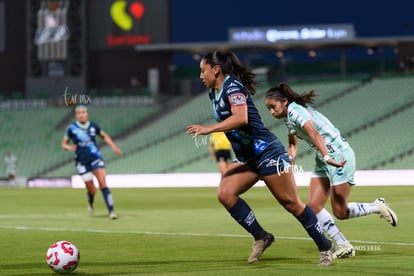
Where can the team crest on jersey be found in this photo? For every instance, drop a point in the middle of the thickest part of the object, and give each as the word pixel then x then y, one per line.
pixel 237 99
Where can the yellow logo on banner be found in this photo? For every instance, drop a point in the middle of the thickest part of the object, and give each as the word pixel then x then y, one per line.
pixel 125 19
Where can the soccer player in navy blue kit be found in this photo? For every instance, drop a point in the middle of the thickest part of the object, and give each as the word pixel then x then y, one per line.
pixel 88 159
pixel 259 152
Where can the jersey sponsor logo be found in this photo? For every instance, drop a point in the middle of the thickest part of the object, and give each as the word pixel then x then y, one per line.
pixel 237 99
pixel 82 137
pixel 231 90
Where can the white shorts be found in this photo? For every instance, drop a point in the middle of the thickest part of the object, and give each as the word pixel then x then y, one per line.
pixel 336 175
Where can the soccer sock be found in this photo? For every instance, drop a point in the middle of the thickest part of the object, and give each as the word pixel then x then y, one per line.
pixel 244 215
pixel 90 198
pixel 311 225
pixel 362 209
pixel 329 226
pixel 108 199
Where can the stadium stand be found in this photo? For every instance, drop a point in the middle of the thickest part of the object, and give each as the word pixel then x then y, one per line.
pixel 375 115
pixel 33 137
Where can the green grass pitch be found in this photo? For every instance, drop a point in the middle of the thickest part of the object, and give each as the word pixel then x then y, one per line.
pixel 185 231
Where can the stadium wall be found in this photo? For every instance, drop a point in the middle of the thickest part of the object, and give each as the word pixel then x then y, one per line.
pixel 176 180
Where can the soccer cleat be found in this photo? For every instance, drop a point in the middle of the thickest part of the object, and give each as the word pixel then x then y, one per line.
pixel 386 212
pixel 112 215
pixel 325 258
pixel 344 250
pixel 259 247
pixel 91 210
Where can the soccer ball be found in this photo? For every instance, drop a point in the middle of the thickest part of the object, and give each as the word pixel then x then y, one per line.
pixel 63 257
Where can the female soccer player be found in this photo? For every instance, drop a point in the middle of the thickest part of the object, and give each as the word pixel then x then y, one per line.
pixel 220 150
pixel 334 170
pixel 259 152
pixel 88 159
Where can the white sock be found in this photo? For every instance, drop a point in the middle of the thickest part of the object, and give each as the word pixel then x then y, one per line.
pixel 362 209
pixel 328 225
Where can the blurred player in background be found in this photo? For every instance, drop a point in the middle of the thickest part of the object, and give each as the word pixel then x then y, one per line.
pixel 10 162
pixel 220 150
pixel 88 159
pixel 334 170
pixel 259 152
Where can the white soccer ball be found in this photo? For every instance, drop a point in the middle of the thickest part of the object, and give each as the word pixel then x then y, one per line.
pixel 63 257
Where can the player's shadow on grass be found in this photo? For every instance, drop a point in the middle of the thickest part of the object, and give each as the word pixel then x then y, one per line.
pixel 101 216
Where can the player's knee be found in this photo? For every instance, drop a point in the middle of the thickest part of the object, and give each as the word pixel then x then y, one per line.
pixel 226 197
pixel 222 196
pixel 340 213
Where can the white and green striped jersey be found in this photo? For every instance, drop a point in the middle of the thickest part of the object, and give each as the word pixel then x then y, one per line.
pixel 298 115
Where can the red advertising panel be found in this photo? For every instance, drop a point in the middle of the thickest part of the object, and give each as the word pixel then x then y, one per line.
pixel 125 23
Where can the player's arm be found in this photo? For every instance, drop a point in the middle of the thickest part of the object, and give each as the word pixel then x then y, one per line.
pixel 293 147
pixel 108 140
pixel 238 118
pixel 66 145
pixel 318 141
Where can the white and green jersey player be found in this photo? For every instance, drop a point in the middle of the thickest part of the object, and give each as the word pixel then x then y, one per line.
pixel 334 171
pixel 337 146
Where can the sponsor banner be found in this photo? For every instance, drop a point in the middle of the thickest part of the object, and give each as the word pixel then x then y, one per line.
pixel 125 23
pixel 181 180
pixel 49 183
pixel 331 32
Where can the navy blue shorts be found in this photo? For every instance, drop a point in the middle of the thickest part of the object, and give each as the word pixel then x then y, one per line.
pixel 273 160
pixel 85 167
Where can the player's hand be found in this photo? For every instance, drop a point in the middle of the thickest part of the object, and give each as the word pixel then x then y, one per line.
pixel 71 147
pixel 117 150
pixel 332 162
pixel 197 130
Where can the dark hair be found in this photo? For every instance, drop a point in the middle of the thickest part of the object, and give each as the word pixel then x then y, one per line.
pixel 283 90
pixel 230 64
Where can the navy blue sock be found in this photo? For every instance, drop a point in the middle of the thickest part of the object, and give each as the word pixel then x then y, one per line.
pixel 244 215
pixel 311 225
pixel 106 193
pixel 90 198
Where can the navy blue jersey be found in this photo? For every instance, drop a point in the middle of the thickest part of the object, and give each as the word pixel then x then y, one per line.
pixel 84 137
pixel 247 141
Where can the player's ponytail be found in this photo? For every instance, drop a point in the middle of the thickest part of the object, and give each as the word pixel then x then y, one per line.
pixel 230 65
pixel 283 90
